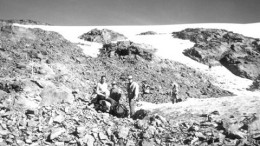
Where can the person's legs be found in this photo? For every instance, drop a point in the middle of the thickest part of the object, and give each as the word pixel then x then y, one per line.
pixel 112 101
pixel 97 99
pixel 107 93
pixel 132 107
pixel 174 99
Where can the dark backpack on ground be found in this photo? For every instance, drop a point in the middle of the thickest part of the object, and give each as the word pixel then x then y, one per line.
pixel 102 106
pixel 119 111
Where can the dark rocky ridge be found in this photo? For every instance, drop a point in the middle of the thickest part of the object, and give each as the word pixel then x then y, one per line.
pixel 148 33
pixel 102 36
pixel 23 21
pixel 128 48
pixel 238 53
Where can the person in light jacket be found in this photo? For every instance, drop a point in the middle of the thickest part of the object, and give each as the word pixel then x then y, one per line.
pixel 132 94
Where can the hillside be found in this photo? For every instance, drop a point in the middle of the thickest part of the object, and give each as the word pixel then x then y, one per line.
pixel 47 81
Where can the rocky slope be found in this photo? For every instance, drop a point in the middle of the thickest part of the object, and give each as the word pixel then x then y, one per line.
pixel 46 83
pixel 238 53
pixel 158 74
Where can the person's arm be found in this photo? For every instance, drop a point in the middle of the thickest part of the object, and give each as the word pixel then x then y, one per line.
pixel 98 90
pixel 122 96
pixel 177 90
pixel 136 92
pixel 128 91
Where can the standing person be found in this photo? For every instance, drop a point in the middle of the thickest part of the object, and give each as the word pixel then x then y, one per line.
pixel 101 91
pixel 132 94
pixel 174 92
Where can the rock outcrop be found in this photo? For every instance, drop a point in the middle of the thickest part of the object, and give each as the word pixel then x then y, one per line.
pixel 129 49
pixel 103 36
pixel 255 85
pixel 148 33
pixel 24 21
pixel 238 53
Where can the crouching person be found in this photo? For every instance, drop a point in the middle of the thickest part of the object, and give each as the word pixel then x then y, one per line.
pixel 117 109
pixel 115 95
pixel 101 91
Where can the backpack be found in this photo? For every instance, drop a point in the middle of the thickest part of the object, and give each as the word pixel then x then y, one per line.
pixel 119 111
pixel 103 106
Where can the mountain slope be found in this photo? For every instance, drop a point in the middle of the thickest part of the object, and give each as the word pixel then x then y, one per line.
pixel 44 100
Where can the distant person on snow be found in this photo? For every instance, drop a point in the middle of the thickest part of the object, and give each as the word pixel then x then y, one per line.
pixel 145 88
pixel 174 93
pixel 132 94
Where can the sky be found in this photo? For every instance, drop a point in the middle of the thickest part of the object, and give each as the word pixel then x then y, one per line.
pixel 131 12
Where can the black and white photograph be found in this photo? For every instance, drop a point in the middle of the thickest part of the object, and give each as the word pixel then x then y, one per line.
pixel 129 72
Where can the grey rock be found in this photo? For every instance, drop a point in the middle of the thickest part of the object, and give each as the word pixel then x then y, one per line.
pixel 52 95
pixel 89 140
pixel 57 132
pixel 102 36
pixel 123 132
pixel 163 120
pixel 200 135
pixel 147 143
pixel 59 143
pixel 4 132
pixel 59 119
pixel 102 136
pixel 142 124
pixel 81 129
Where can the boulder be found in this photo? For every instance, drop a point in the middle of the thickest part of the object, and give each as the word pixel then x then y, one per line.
pixel 88 140
pixel 24 103
pixel 147 143
pixel 148 33
pixel 128 48
pixel 123 132
pixel 142 124
pixel 56 132
pixel 59 119
pixel 55 95
pixel 102 36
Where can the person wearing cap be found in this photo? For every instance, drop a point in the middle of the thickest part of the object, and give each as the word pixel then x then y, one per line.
pixel 132 94
pixel 115 94
pixel 174 92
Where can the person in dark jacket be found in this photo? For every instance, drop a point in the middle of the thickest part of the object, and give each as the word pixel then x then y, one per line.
pixel 174 93
pixel 115 94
